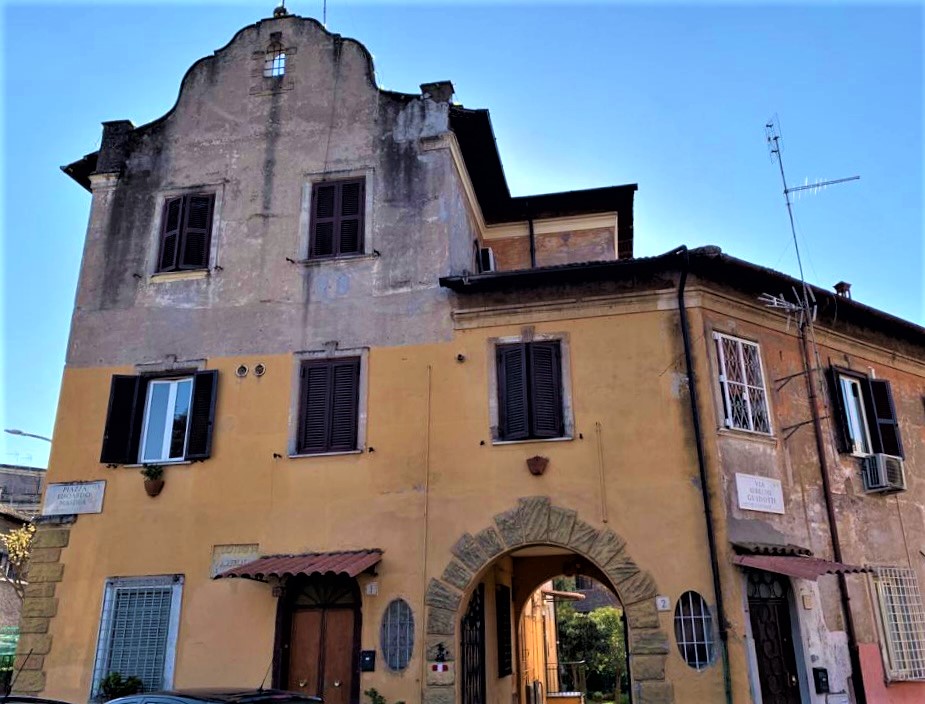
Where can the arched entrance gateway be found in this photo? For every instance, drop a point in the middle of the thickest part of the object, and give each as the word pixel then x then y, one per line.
pixel 527 545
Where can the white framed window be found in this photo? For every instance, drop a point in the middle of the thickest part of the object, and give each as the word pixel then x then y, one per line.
pixel 855 415
pixel 693 630
pixel 741 381
pixel 166 420
pixel 902 619
pixel 138 630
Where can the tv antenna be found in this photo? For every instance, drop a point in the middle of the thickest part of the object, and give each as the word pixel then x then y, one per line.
pixel 805 310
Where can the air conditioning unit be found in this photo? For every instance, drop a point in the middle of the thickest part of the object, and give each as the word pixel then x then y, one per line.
pixel 486 260
pixel 883 473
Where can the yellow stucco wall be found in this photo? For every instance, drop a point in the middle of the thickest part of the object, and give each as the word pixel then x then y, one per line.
pixel 624 373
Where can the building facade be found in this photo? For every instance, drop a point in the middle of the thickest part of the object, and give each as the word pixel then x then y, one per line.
pixel 390 401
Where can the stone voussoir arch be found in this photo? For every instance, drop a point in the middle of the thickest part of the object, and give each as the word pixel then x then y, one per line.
pixel 536 521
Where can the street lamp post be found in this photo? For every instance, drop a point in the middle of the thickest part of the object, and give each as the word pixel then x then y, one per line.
pixel 14 431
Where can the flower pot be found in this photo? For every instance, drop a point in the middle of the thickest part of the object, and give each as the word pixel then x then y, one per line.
pixel 154 486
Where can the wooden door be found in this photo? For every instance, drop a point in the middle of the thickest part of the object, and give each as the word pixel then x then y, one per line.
pixel 321 654
pixel 769 609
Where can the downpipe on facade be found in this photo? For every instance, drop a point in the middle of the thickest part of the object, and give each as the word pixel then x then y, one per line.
pixel 683 252
pixel 860 696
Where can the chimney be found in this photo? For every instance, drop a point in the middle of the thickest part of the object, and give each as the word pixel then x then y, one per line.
pixel 843 289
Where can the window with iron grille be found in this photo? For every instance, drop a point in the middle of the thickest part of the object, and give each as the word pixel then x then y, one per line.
pixel 693 630
pixel 274 65
pixel 138 630
pixel 903 620
pixel 397 635
pixel 741 380
pixel 529 391
pixel 336 218
pixel 329 401
pixel 186 232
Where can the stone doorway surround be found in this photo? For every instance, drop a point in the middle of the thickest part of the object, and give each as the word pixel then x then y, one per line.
pixel 536 521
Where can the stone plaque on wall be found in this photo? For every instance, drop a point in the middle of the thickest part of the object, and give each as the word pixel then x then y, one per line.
pixel 759 493
pixel 74 497
pixel 226 557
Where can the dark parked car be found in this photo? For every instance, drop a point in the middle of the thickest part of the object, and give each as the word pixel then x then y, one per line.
pixel 218 696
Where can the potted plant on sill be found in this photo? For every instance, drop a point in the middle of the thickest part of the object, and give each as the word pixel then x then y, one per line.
pixel 154 478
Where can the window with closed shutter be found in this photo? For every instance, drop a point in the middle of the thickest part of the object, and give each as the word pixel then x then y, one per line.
pixel 329 403
pixel 337 218
pixel 138 630
pixel 160 419
pixel 529 391
pixel 186 232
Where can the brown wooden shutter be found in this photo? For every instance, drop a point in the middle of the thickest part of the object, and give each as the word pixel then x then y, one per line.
pixel 350 227
pixel 197 228
pixel 503 623
pixel 316 407
pixel 202 415
pixel 170 235
pixel 123 420
pixel 344 401
pixel 324 216
pixel 839 412
pixel 884 416
pixel 513 414
pixel 545 390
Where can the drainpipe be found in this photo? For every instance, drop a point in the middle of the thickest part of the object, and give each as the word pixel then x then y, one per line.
pixel 532 237
pixel 702 464
pixel 858 681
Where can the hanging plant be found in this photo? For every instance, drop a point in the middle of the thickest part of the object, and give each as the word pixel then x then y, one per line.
pixel 154 478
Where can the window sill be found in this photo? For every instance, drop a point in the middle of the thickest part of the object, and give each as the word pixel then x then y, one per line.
pixel 326 454
pixel 337 260
pixel 748 435
pixel 165 276
pixel 160 463
pixel 564 438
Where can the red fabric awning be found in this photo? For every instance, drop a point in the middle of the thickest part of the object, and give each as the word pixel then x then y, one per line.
pixel 350 563
pixel 800 567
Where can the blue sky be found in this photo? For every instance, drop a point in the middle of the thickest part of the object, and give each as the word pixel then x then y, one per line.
pixel 673 97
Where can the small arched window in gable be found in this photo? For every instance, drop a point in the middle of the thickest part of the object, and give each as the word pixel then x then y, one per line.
pixel 274 65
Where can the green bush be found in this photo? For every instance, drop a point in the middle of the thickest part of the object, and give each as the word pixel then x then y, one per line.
pixel 114 686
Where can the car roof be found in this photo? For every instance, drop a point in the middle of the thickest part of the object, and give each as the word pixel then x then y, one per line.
pixel 227 695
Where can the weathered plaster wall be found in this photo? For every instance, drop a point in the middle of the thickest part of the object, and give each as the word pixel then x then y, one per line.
pixel 242 494
pixel 873 529
pixel 258 149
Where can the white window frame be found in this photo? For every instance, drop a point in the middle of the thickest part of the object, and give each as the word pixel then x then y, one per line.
pixel 857 423
pixel 689 612
pixel 728 421
pixel 104 642
pixel 902 623
pixel 171 406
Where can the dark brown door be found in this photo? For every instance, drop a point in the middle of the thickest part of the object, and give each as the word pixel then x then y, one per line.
pixel 322 641
pixel 769 609
pixel 321 653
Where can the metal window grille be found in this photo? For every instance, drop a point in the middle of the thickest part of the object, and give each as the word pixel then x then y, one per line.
pixel 275 63
pixel 903 619
pixel 138 630
pixel 397 636
pixel 693 630
pixel 741 379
